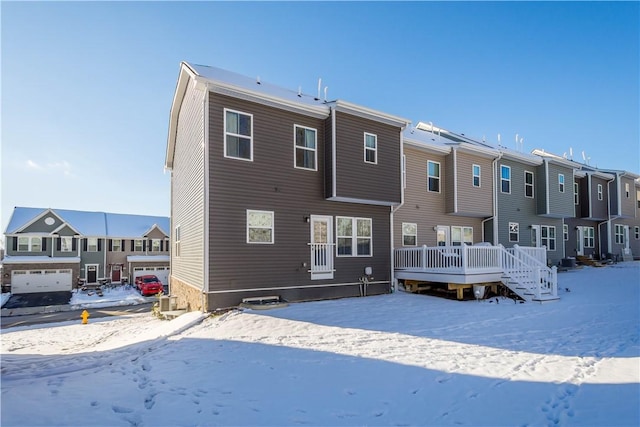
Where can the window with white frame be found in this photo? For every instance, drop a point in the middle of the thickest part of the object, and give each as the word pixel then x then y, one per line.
pixel 565 232
pixel 370 148
pixel 92 244
pixel 238 135
pixel 260 227
pixel 638 198
pixel 548 237
pixel 354 236
pixel 636 230
pixel 600 196
pixel 514 232
pixel 626 189
pixel 29 244
pixel 619 234
pixel 588 235
pixel 306 154
pixel 155 245
pixel 576 194
pixel 461 235
pixel 561 183
pixel 475 170
pixel 176 244
pixel 528 184
pixel 138 245
pixel 116 245
pixel 505 179
pixel 409 234
pixel 66 243
pixel 433 176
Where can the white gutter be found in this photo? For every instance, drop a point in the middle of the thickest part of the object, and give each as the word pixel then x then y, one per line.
pixel 546 172
pixel 334 156
pixel 608 221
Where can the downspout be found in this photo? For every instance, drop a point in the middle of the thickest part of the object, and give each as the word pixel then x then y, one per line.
pixel 495 200
pixel 455 179
pixel 546 173
pixel 334 154
pixel 403 172
pixel 205 279
pixel 611 218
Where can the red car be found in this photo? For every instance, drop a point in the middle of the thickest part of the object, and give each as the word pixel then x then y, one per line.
pixel 148 285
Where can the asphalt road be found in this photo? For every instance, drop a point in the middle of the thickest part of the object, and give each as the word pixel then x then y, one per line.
pixel 63 316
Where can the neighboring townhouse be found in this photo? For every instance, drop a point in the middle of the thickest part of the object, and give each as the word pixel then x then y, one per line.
pixel 449 189
pixel 277 193
pixel 623 225
pixel 52 250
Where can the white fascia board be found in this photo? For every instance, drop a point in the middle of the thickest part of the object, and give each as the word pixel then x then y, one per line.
pixel 39 260
pixel 36 218
pixel 186 73
pixel 63 225
pixel 368 113
pixel 362 201
pixel 598 174
pixel 318 112
pixel 579 173
pixel 415 143
pixel 154 226
pixel 479 151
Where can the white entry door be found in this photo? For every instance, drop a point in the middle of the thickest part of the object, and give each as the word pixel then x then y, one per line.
pixel 626 240
pixel 579 241
pixel 443 236
pixel 535 236
pixel 321 247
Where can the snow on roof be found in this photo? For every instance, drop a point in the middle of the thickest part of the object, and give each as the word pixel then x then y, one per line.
pixel 97 224
pixel 39 260
pixel 148 258
pixel 256 85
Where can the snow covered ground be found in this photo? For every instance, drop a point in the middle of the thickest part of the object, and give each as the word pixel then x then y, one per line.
pixel 398 359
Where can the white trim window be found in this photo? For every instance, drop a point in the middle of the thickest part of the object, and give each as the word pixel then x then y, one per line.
pixel 305 147
pixel 138 245
pixel 565 232
pixel 433 176
pixel 92 244
pixel 514 232
pixel 370 148
pixel 576 193
pixel 619 234
pixel 626 189
pixel 409 234
pixel 600 192
pixel 260 227
pixel 116 245
pixel 29 244
pixel 588 235
pixel 475 172
pixel 505 179
pixel 176 243
pixel 561 183
pixel 238 135
pixel 548 236
pixel 66 243
pixel 528 184
pixel 461 235
pixel 155 245
pixel 354 236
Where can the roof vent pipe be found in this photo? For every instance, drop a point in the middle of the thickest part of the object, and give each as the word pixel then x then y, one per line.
pixel 319 87
pixel 325 93
pixel 300 91
pixel 258 80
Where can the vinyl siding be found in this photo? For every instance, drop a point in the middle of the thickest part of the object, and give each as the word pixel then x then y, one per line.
pixel 356 179
pixel 424 208
pixel 598 207
pixel 271 183
pixel 628 203
pixel 472 201
pixel 187 190
pixel 552 202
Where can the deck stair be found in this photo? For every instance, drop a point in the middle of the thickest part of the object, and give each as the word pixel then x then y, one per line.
pixel 527 275
pixel 627 255
pixel 585 260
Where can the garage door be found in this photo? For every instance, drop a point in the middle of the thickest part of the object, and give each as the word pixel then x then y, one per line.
pixel 30 281
pixel 162 273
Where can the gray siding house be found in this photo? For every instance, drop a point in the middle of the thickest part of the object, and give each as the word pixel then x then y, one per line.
pixel 623 226
pixel 277 193
pixel 50 250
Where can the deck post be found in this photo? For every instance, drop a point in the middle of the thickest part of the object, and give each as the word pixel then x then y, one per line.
pixel 464 259
pixel 424 257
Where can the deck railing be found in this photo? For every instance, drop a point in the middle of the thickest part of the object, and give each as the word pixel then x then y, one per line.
pixel 321 257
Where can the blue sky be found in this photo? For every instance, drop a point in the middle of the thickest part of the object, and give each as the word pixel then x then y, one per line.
pixel 87 87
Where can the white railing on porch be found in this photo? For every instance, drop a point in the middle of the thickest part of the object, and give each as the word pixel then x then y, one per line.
pixel 524 270
pixel 321 257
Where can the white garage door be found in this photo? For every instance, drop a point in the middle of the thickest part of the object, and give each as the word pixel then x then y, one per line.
pixel 162 273
pixel 30 281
